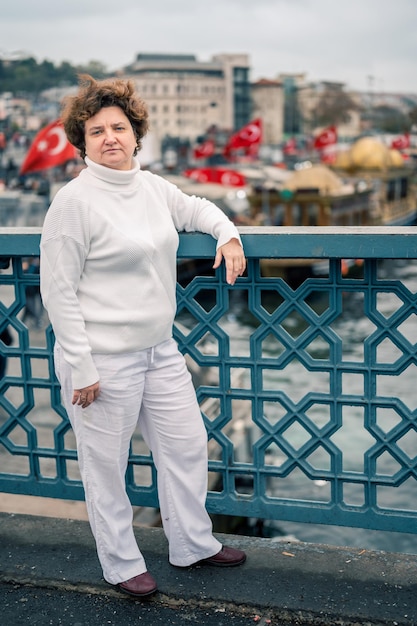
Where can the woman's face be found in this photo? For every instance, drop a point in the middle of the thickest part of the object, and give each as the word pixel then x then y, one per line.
pixel 109 139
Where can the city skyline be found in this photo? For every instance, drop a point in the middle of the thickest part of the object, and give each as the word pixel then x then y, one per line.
pixel 367 44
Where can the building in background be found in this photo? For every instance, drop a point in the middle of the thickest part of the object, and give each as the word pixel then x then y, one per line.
pixel 292 83
pixel 186 96
pixel 268 104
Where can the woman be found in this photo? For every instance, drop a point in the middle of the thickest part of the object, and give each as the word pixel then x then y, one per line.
pixel 108 280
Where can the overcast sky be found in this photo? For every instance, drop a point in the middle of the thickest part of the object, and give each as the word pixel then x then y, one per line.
pixel 368 44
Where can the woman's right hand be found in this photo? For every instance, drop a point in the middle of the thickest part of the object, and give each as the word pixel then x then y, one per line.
pixel 86 396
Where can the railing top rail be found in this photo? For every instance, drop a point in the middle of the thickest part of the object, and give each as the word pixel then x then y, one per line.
pixel 385 242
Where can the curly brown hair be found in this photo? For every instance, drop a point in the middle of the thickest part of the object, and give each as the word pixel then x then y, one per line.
pixel 93 95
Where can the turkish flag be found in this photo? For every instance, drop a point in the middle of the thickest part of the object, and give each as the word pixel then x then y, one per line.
pixel 327 137
pixel 249 138
pixel 402 142
pixel 219 175
pixel 49 149
pixel 204 150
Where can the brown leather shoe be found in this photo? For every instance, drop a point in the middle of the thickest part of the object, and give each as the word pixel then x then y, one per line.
pixel 139 586
pixel 227 557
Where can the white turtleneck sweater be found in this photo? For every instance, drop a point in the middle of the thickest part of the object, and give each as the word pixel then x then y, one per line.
pixel 108 261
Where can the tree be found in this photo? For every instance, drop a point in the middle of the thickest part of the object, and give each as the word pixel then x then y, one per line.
pixel 95 68
pixel 28 77
pixel 67 73
pixel 334 107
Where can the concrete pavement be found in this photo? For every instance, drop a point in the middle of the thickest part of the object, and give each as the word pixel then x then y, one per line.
pixel 281 582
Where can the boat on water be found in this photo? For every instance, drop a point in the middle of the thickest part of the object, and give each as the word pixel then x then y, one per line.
pixel 393 180
pixel 368 185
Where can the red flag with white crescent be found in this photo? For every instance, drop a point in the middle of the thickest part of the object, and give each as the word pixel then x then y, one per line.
pixel 248 137
pixel 326 137
pixel 402 142
pixel 219 175
pixel 49 149
pixel 204 150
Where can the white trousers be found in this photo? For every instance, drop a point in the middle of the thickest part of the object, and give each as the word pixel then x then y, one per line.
pixel 153 389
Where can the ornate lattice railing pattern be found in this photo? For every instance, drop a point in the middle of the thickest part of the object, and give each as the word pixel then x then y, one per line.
pixel 303 423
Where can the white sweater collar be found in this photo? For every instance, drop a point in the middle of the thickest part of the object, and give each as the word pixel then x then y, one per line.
pixel 109 175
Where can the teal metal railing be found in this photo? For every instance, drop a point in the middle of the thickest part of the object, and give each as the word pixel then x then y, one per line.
pixel 338 448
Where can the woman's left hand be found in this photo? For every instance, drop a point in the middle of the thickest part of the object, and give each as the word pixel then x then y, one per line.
pixel 234 257
pixel 85 396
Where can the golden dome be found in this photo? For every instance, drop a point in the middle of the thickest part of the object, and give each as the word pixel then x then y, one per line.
pixel 343 160
pixel 396 158
pixel 369 153
pixel 315 177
